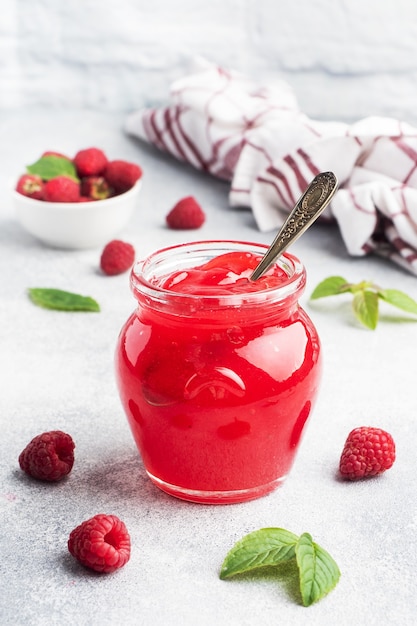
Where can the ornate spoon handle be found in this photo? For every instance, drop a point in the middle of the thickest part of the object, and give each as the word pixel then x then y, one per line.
pixel 313 202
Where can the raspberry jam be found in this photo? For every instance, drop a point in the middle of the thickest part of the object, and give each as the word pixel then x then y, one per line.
pixel 217 374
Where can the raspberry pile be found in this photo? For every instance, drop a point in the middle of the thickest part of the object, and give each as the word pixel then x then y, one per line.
pixel 86 177
pixel 101 543
pixel 49 456
pixel 117 257
pixel 368 451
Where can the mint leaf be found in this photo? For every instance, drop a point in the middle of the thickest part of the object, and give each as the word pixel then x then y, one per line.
pixel 365 307
pixel 319 573
pixel 399 299
pixel 331 286
pixel 366 296
pixel 267 546
pixel 50 166
pixel 62 300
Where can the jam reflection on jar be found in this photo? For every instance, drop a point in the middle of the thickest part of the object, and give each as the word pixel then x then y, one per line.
pixel 217 374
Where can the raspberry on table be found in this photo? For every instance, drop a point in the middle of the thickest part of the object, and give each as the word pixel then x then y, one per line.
pixel 122 175
pixel 31 186
pixel 90 162
pixel 61 189
pixel 101 543
pixel 117 257
pixel 49 456
pixel 186 214
pixel 368 451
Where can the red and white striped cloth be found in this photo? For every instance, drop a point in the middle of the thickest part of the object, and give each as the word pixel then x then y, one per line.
pixel 257 138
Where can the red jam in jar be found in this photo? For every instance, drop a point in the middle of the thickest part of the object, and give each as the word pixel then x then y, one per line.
pixel 217 374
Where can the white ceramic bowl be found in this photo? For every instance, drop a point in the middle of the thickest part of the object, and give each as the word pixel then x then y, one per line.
pixel 76 225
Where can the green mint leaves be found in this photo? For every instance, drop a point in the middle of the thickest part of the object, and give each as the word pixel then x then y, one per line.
pixel 50 166
pixel 62 300
pixel 318 572
pixel 366 297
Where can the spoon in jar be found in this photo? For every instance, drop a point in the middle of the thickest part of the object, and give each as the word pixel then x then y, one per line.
pixel 310 205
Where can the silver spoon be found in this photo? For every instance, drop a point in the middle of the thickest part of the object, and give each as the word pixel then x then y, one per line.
pixel 310 205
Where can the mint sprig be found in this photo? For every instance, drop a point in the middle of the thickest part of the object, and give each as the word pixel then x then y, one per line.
pixel 318 572
pixel 50 166
pixel 62 300
pixel 366 297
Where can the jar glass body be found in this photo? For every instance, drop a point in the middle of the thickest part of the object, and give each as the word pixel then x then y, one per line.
pixel 217 389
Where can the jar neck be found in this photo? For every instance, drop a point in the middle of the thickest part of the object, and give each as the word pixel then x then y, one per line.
pixel 277 302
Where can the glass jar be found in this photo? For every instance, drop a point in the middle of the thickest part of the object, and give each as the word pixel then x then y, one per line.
pixel 217 389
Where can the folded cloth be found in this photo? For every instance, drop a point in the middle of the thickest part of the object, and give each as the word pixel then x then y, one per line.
pixel 257 138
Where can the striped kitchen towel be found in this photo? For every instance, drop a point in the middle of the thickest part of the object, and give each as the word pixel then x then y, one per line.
pixel 257 138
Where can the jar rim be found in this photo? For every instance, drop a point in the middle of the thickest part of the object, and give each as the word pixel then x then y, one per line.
pixel 144 271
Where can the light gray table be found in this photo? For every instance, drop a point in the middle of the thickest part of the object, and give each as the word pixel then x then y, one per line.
pixel 57 373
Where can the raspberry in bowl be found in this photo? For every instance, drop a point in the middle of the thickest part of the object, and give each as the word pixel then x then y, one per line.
pixel 79 202
pixel 217 374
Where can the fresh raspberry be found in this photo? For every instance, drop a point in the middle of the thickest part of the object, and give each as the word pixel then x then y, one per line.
pixel 49 456
pixel 101 543
pixel 367 452
pixel 186 214
pixel 122 175
pixel 117 257
pixel 30 186
pixel 61 189
pixel 95 187
pixel 90 162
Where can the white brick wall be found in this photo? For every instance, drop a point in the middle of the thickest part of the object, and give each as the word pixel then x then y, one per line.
pixel 345 59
